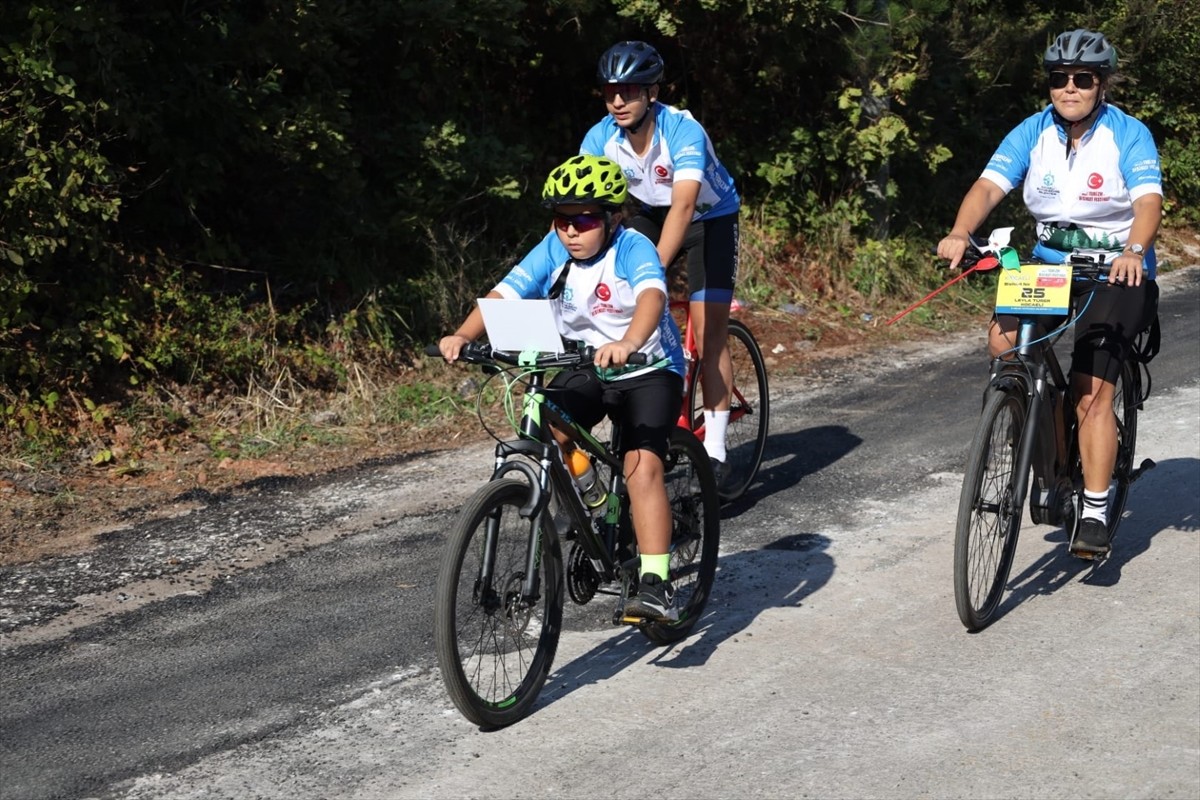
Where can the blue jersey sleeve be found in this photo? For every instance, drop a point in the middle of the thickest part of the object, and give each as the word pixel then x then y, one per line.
pixel 689 148
pixel 1010 162
pixel 532 278
pixel 1139 159
pixel 637 260
pixel 595 139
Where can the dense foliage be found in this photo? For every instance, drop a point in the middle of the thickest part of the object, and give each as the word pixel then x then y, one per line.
pixel 193 190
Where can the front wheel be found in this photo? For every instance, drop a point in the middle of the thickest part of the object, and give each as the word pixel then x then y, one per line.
pixel 496 632
pixel 989 513
pixel 695 534
pixel 749 411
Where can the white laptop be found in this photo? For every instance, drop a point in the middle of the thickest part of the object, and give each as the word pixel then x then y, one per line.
pixel 520 325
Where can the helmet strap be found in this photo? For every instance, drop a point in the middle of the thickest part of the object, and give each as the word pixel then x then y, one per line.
pixel 1068 126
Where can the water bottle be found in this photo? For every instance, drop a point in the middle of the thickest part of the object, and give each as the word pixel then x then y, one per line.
pixel 590 489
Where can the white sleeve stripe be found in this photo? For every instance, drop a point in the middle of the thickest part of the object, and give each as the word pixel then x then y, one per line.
pixel 1145 189
pixel 998 179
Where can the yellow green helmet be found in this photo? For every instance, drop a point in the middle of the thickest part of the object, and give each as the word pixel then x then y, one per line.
pixel 586 179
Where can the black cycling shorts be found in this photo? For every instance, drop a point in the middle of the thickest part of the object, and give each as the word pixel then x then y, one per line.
pixel 646 406
pixel 1110 317
pixel 711 246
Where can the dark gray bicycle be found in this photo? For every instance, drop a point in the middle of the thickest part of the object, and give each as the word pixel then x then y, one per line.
pixel 1026 442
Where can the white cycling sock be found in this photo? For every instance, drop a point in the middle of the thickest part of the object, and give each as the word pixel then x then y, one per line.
pixel 1095 505
pixel 715 425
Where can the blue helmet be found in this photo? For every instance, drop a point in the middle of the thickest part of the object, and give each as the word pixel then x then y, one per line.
pixel 630 62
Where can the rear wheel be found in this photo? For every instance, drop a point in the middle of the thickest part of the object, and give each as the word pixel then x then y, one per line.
pixel 695 534
pixel 495 641
pixel 749 412
pixel 989 514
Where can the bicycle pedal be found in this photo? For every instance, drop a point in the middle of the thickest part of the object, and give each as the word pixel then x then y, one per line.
pixel 1146 465
pixel 1090 555
pixel 637 622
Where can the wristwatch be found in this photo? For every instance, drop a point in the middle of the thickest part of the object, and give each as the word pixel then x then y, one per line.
pixel 1136 249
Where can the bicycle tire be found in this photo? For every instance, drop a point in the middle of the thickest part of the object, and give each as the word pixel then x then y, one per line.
pixel 749 413
pixel 1126 402
pixel 989 517
pixel 495 649
pixel 695 534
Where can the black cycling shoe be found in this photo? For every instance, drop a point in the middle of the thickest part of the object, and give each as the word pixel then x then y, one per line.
pixel 723 474
pixel 1091 540
pixel 655 599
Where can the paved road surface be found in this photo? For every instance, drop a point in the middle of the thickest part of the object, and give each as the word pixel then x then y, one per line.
pixel 831 662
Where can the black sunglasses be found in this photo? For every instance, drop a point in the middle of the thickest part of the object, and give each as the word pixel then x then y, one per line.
pixel 1082 80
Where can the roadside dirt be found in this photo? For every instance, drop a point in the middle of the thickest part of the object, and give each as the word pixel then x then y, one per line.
pixel 65 509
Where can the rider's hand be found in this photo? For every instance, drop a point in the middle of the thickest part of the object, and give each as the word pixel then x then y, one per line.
pixel 952 249
pixel 452 345
pixel 613 354
pixel 1126 269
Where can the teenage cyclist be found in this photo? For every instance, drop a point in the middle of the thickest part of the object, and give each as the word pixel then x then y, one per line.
pixel 1091 179
pixel 610 291
pixel 685 201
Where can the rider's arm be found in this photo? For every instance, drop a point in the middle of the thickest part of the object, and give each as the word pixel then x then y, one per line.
pixel 981 198
pixel 679 217
pixel 1147 213
pixel 651 303
pixel 470 330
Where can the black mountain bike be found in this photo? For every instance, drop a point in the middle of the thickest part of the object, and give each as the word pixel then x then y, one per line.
pixel 498 602
pixel 1026 442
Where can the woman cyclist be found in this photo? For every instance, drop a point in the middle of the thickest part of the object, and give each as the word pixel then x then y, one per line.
pixel 685 201
pixel 1091 179
pixel 610 291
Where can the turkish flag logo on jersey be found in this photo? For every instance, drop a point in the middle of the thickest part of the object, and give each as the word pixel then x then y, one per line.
pixel 1095 180
pixel 603 292
pixel 660 170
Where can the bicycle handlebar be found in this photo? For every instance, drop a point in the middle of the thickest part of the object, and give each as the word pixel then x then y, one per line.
pixel 1085 263
pixel 577 354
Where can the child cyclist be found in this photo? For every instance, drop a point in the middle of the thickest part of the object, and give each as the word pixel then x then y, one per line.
pixel 609 288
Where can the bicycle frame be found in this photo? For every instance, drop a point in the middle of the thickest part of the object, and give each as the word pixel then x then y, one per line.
pixel 1047 455
pixel 537 444
pixel 1048 434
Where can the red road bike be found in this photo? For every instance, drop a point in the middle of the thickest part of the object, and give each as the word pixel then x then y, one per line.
pixel 749 412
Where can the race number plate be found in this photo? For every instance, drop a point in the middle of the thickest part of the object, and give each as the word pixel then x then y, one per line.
pixel 1034 289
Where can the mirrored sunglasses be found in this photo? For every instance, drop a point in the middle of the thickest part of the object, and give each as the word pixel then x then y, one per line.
pixel 628 91
pixel 1082 80
pixel 581 222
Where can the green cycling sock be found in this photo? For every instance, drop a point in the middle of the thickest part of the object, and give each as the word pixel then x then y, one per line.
pixel 659 565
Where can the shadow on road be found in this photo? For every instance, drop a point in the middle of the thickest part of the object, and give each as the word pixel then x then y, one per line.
pixel 789 457
pixel 1142 522
pixel 781 575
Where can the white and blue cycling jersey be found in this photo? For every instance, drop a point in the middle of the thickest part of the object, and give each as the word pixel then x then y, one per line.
pixel 680 151
pixel 1084 198
pixel 599 296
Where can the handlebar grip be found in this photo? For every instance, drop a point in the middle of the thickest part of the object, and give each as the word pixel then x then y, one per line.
pixel 433 350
